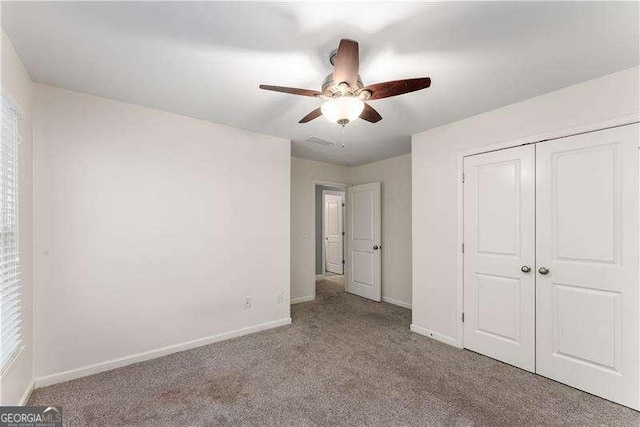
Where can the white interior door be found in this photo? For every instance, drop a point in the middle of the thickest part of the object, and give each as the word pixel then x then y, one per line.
pixel 364 247
pixel 499 282
pixel 587 256
pixel 333 237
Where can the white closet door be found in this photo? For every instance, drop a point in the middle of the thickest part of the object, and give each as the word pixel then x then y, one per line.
pixel 499 292
pixel 587 263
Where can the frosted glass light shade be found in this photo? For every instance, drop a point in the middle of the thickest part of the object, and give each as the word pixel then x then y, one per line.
pixel 343 109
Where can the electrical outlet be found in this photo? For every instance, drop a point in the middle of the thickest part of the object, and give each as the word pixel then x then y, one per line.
pixel 247 303
pixel 280 297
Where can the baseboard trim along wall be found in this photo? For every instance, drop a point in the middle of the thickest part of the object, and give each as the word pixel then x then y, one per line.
pixel 298 300
pixel 397 302
pixel 152 354
pixel 434 335
pixel 26 394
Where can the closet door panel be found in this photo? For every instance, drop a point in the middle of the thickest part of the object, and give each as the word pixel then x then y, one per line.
pixel 587 304
pixel 499 297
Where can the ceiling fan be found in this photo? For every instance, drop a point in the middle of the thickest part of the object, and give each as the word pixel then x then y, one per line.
pixel 344 92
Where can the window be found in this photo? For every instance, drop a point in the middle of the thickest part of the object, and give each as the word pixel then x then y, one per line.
pixel 10 301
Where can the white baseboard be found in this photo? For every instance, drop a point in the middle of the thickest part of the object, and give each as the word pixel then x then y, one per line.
pixel 26 394
pixel 319 277
pixel 397 302
pixel 302 299
pixel 152 354
pixel 436 336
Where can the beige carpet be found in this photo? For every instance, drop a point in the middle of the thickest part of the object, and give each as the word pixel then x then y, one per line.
pixel 338 279
pixel 344 361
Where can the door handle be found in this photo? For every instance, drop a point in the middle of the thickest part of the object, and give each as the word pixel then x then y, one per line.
pixel 543 270
pixel 525 269
pixel 376 247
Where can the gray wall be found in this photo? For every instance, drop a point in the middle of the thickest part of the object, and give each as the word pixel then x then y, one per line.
pixel 319 231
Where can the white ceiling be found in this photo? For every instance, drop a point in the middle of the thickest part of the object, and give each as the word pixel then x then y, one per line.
pixel 206 60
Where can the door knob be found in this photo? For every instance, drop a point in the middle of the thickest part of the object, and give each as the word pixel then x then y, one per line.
pixel 543 270
pixel 375 248
pixel 525 269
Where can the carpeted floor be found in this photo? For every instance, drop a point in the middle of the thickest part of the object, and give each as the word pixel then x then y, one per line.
pixel 337 279
pixel 344 361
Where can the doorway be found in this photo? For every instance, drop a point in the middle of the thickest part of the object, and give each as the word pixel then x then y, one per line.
pixel 333 232
pixel 360 213
pixel 330 212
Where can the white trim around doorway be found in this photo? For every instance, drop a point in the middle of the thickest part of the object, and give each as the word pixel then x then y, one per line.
pixel 315 183
pixel 324 252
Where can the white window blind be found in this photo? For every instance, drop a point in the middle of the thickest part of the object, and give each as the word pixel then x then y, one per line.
pixel 10 301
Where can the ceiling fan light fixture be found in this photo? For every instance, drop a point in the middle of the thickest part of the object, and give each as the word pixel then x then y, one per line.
pixel 342 109
pixel 346 94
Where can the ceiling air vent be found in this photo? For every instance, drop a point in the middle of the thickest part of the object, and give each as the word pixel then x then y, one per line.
pixel 319 141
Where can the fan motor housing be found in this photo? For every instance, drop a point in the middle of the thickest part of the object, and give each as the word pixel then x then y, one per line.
pixel 330 86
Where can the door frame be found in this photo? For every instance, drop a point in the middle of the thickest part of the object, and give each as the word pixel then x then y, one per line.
pixel 342 193
pixel 312 261
pixel 533 139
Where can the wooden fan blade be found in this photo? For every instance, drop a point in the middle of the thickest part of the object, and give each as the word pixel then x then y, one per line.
pixel 347 63
pixel 396 87
pixel 370 114
pixel 312 115
pixel 291 90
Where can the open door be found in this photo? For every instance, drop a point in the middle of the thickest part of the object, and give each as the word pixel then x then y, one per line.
pixel 333 237
pixel 363 236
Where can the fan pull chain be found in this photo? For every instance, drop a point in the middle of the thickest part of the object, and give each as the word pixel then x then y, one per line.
pixel 342 137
